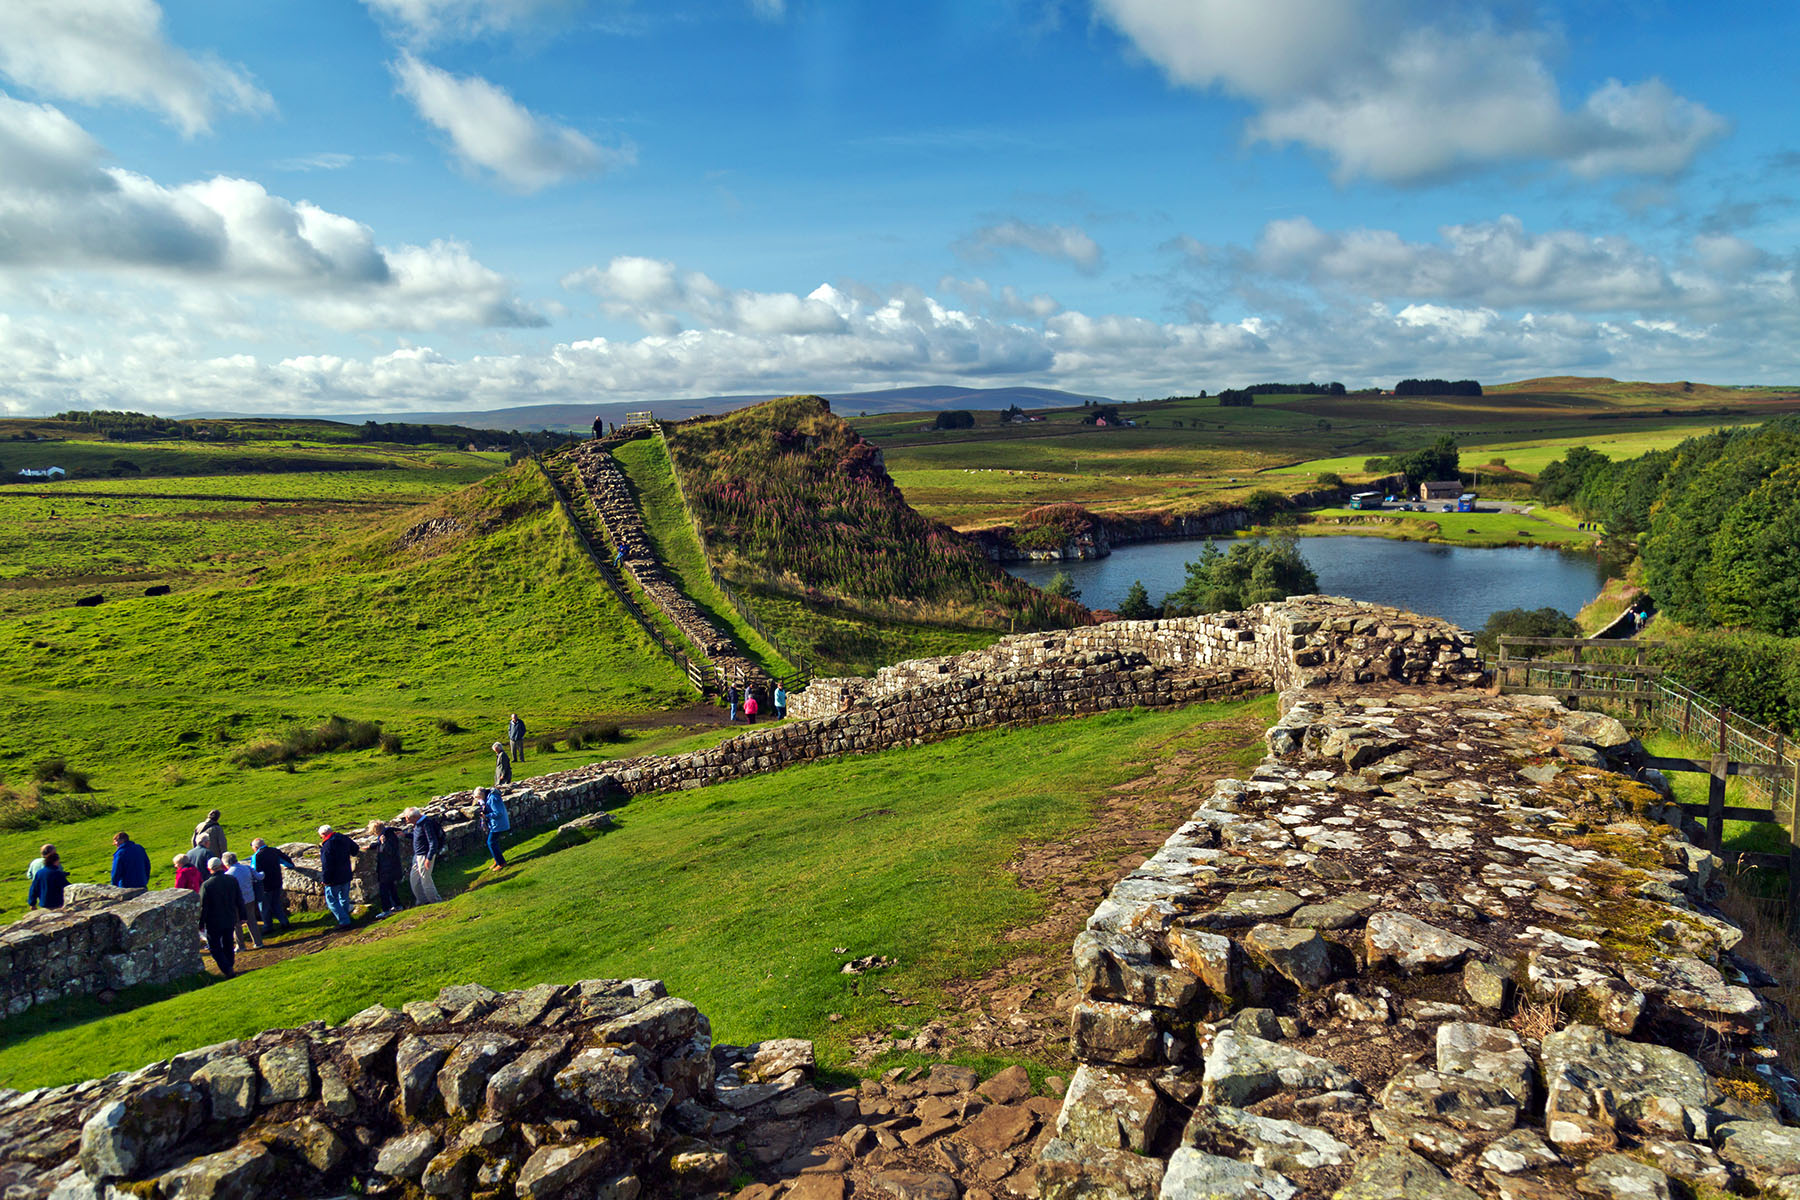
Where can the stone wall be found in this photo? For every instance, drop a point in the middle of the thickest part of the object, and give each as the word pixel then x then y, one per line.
pixel 110 941
pixel 606 1089
pixel 1435 946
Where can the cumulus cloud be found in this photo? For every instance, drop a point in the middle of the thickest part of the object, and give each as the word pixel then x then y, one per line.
pixel 114 51
pixel 664 300
pixel 490 130
pixel 62 208
pixel 425 21
pixel 1407 92
pixel 1067 243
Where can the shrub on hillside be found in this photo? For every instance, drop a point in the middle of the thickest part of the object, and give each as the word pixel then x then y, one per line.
pixel 1751 673
pixel 36 807
pixel 588 734
pixel 1525 622
pixel 55 775
pixel 304 741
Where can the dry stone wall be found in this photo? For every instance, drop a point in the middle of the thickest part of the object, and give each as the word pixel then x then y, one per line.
pixel 1437 945
pixel 110 939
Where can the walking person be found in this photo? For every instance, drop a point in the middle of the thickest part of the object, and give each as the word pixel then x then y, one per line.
pixel 515 734
pixel 131 863
pixel 428 844
pixel 335 872
pixel 730 705
pixel 245 878
pixel 199 855
pixel 187 876
pixel 389 867
pixel 211 834
pixel 37 864
pixel 750 707
pixel 494 821
pixel 268 862
pixel 221 909
pixel 502 766
pixel 46 890
pixel 780 701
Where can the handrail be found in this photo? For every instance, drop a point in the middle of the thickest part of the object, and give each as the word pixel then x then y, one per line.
pixel 802 673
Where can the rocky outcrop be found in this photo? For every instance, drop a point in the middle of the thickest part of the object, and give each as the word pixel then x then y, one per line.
pixel 106 939
pixel 1437 945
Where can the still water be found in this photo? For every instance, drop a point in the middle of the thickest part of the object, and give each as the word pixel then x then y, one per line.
pixel 1459 583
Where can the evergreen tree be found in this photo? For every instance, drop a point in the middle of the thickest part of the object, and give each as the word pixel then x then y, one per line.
pixel 1249 574
pixel 1136 605
pixel 1061 585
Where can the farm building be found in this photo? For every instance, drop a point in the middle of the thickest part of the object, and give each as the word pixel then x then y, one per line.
pixel 1440 489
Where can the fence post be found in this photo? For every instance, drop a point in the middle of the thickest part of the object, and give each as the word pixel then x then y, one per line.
pixel 1715 806
pixel 1793 888
pixel 1639 707
pixel 1687 717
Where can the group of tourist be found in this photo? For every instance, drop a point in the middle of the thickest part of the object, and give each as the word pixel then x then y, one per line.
pixel 744 700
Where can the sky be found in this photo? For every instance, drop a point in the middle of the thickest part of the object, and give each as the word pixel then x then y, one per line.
pixel 325 206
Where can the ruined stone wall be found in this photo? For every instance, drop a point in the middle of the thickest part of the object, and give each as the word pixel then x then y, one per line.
pixel 114 940
pixel 604 1088
pixel 1437 945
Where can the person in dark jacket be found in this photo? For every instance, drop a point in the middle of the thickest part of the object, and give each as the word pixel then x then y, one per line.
pixel 221 910
pixel 428 845
pixel 267 861
pixel 335 872
pixel 515 734
pixel 47 885
pixel 390 866
pixel 502 765
pixel 131 863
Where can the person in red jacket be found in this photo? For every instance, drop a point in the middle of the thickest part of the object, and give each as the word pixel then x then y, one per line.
pixel 187 875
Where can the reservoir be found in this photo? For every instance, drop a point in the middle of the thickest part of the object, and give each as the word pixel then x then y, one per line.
pixel 1463 584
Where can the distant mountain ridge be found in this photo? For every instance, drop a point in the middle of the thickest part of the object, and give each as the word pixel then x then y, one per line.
pixel 579 417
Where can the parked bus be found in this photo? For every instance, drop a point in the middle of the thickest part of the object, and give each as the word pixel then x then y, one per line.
pixel 1366 500
pixel 1465 502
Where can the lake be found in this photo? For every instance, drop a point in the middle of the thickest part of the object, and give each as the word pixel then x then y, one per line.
pixel 1464 584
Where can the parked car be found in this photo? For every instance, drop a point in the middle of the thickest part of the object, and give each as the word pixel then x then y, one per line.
pixel 1448 508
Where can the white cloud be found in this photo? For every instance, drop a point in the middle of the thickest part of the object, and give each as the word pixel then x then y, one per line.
pixel 425 21
pixel 61 209
pixel 1067 243
pixel 101 51
pixel 664 300
pixel 1406 91
pixel 491 130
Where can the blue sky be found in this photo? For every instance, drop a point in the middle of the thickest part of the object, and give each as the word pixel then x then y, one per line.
pixel 329 206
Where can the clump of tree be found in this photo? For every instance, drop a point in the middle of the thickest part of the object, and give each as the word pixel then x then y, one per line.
pixel 1061 585
pixel 1525 622
pixel 1102 412
pixel 1437 387
pixel 1249 574
pixel 1440 460
pixel 1136 605
pixel 1751 673
pixel 1329 479
pixel 1237 398
pixel 955 418
pixel 117 426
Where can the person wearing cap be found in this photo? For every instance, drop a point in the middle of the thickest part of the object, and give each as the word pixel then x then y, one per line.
pixel 221 911
pixel 336 871
pixel 211 834
pixel 390 866
pixel 502 765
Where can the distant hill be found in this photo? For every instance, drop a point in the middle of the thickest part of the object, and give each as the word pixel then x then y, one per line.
pixel 580 417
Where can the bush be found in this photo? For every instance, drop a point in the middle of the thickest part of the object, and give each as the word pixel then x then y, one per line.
pixel 390 743
pixel 36 807
pixel 55 775
pixel 1524 622
pixel 547 745
pixel 449 725
pixel 1250 574
pixel 1330 479
pixel 301 742
pixel 1264 503
pixel 1751 673
pixel 588 734
pixel 1136 605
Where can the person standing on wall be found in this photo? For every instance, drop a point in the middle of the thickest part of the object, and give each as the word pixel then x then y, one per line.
pixel 502 766
pixel 335 872
pixel 388 867
pixel 46 890
pixel 131 863
pixel 268 862
pixel 428 845
pixel 515 734
pixel 494 821
pixel 221 909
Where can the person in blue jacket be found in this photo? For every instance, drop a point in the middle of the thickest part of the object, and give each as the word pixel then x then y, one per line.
pixel 131 863
pixel 496 821
pixel 47 885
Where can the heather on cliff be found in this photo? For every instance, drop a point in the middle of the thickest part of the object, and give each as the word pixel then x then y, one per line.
pixel 792 500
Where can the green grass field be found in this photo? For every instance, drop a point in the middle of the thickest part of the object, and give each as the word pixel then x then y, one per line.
pixel 1456 529
pixel 738 896
pixel 436 639
pixel 1691 788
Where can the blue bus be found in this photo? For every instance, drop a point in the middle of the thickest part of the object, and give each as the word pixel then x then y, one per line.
pixel 1465 502
pixel 1366 500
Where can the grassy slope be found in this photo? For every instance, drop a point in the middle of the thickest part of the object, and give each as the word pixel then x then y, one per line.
pixel 736 895
pixel 151 696
pixel 646 464
pixel 1691 788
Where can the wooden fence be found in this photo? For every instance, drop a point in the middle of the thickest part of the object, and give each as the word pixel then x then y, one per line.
pixel 1617 674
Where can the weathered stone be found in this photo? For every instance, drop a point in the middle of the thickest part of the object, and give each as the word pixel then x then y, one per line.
pixel 948 1079
pixel 1594 729
pixel 1243 909
pixel 334 1092
pixel 776 1057
pixel 915 1185
pixel 448 1173
pixel 1216 960
pixel 463 1079
pixel 312 1142
pixel 1490 1054
pixel 1193 1175
pixel 999 1128
pixel 1110 1109
pixel 125 1136
pixel 1006 1087
pixel 552 1170
pixel 1111 966
pixel 1763 1150
pixel 1690 1163
pixel 1413 945
pixel 404 1157
pixel 663 1022
pixel 1520 1150
pixel 1106 1031
pixel 1589 1072
pixel 522 1080
pixel 1299 955
pixel 1441 1143
pixel 1464 1102
pixel 234 1174
pixel 286 1072
pixel 612 1082
pixel 1615 1177
pixel 1241 1070
pixel 230 1081
pixel 1487 984
pixel 1080 1171
pixel 1285 1146
pixel 1399 1174
pixel 1332 914
pixel 416 1063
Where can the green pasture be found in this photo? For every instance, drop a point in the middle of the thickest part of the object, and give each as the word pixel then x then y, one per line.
pixel 438 640
pixel 89 461
pixel 738 896
pixel 838 641
pixel 1456 529
pixel 1533 456
pixel 1743 837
